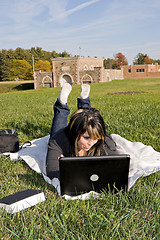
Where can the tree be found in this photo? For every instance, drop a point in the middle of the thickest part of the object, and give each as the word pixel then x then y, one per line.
pixel 142 59
pixel 23 54
pixel 64 54
pixel 155 61
pixel 4 66
pixel 10 54
pixel 44 66
pixel 109 63
pixel 120 60
pixel 21 69
pixel 47 56
pixel 19 53
pixel 54 54
pixel 147 60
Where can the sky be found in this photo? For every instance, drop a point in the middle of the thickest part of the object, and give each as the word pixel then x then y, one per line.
pixel 91 28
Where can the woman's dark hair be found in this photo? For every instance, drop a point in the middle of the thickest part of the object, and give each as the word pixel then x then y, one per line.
pixel 90 120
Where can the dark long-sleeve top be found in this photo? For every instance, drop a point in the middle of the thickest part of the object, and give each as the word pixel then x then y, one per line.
pixel 59 145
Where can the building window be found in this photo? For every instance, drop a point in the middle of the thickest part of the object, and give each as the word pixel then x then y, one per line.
pixel 129 70
pixel 85 67
pixel 140 70
pixel 91 67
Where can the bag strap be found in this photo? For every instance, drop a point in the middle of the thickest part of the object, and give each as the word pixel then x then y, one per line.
pixel 26 144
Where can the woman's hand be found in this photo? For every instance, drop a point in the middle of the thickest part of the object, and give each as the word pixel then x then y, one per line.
pixel 60 156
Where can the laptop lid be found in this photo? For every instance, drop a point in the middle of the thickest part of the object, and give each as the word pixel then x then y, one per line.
pixel 79 175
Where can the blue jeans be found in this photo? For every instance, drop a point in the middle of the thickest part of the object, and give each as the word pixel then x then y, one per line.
pixel 62 111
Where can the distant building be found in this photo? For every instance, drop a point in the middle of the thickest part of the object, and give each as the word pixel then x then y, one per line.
pixel 141 71
pixel 78 70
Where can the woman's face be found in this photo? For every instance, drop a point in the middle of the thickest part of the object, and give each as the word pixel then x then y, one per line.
pixel 85 142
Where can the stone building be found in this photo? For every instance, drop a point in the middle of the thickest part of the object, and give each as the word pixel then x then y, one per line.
pixel 75 70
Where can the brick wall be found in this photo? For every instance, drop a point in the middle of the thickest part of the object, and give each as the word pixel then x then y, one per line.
pixel 141 71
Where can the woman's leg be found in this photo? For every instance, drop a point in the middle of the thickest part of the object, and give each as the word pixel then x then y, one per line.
pixel 61 113
pixel 61 110
pixel 84 100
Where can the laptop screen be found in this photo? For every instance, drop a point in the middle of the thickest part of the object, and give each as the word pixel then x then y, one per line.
pixel 80 175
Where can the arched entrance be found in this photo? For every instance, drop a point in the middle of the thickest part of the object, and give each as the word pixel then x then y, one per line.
pixel 47 82
pixel 65 78
pixel 86 78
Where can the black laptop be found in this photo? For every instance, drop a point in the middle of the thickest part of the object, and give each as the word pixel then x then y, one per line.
pixel 80 175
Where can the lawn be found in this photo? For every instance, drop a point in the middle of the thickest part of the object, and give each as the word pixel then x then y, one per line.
pixel 131 108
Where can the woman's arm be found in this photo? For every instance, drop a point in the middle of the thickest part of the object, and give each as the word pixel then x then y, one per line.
pixel 52 160
pixel 59 145
pixel 110 145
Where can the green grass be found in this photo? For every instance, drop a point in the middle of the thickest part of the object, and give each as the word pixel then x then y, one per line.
pixel 133 113
pixel 11 86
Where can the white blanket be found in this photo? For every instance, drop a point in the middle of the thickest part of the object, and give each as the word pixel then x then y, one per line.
pixel 144 160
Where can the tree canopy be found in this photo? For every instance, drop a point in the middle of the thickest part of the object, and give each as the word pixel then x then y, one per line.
pixel 117 62
pixel 44 66
pixel 109 63
pixel 142 59
pixel 120 60
pixel 4 68
pixel 13 61
pixel 21 69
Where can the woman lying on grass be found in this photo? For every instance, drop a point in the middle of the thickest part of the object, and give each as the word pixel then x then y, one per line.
pixel 85 135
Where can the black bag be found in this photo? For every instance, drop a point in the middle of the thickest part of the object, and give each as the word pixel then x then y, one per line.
pixel 9 141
